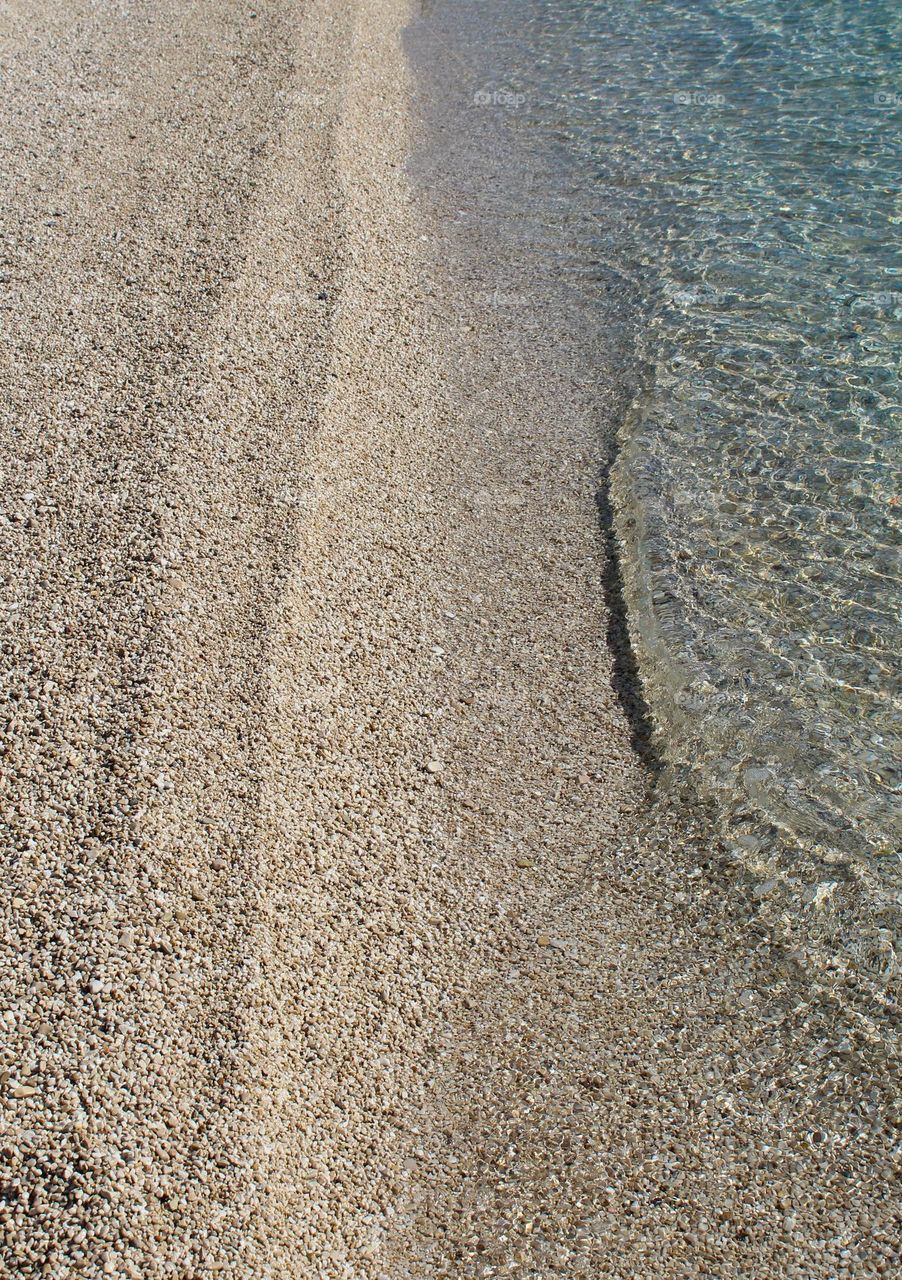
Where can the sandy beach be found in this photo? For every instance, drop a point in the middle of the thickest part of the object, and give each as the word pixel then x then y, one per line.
pixel 338 939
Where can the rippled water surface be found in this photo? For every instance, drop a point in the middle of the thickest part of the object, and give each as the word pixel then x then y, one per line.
pixel 736 164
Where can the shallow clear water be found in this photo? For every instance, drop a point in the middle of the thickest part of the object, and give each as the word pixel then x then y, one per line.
pixel 736 163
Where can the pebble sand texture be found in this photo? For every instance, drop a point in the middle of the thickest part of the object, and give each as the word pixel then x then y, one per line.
pixel 327 953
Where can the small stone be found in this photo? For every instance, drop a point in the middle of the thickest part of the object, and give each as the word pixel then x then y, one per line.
pixel 19 904
pixel 23 1091
pixel 218 864
pixel 524 863
pixel 434 766
pixel 543 940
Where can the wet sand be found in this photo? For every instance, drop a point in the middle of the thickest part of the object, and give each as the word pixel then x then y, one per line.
pixel 340 943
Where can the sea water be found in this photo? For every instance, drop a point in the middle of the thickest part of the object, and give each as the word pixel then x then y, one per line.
pixel 735 165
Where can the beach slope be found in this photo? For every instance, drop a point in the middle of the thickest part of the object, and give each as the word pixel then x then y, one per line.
pixel 327 950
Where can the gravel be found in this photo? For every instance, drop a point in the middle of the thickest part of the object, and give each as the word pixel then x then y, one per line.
pixel 310 733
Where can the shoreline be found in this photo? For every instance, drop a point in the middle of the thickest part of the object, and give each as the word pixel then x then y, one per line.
pixel 342 946
pixel 668 1055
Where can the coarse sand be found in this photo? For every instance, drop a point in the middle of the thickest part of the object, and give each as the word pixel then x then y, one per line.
pixel 341 937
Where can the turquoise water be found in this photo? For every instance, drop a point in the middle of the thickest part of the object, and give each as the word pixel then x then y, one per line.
pixel 735 166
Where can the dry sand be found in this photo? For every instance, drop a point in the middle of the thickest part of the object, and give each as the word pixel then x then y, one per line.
pixel 339 941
